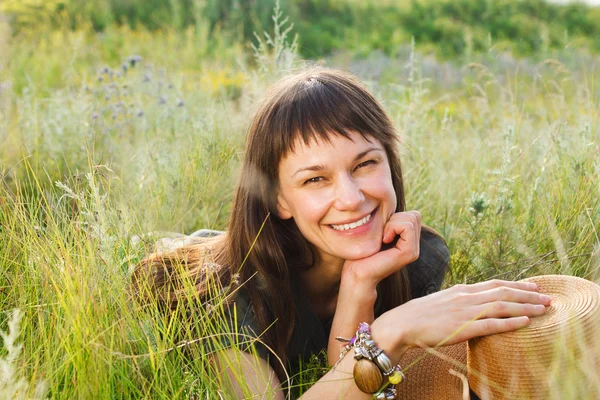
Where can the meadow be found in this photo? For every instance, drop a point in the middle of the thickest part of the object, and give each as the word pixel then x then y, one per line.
pixel 128 133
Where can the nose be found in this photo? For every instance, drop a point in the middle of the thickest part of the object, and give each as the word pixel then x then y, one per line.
pixel 348 194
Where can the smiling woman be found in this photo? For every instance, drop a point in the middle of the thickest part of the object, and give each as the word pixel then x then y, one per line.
pixel 321 241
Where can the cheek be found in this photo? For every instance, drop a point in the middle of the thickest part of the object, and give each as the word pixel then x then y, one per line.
pixel 380 187
pixel 312 207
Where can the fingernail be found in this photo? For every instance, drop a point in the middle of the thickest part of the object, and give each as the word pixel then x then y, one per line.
pixel 533 286
pixel 546 298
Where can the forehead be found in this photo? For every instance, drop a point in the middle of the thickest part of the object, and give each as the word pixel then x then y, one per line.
pixel 334 147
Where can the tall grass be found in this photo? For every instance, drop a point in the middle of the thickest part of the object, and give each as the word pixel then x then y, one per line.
pixel 95 150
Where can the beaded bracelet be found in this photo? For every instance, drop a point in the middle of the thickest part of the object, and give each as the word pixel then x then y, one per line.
pixel 372 365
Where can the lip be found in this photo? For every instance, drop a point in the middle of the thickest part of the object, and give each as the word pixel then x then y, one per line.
pixel 358 229
pixel 349 221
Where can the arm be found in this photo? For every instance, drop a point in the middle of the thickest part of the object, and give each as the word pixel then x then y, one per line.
pixel 358 286
pixel 447 317
pixel 355 305
pixel 262 383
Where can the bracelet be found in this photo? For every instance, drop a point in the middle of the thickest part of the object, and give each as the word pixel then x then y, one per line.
pixel 372 365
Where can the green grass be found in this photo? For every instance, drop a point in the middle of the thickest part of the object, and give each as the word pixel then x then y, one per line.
pixel 506 167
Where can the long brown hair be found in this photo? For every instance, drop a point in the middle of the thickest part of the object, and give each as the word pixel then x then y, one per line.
pixel 265 250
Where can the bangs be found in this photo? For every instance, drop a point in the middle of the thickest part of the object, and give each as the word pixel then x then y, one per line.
pixel 318 106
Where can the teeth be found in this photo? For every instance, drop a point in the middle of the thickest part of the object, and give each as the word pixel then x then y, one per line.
pixel 352 225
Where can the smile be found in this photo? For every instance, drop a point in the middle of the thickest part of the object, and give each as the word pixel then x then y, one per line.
pixel 352 225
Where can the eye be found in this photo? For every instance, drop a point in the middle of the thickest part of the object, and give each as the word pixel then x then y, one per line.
pixel 366 164
pixel 316 179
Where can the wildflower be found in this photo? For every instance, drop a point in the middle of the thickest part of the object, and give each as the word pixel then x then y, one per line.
pixel 140 113
pixel 162 100
pixel 134 59
pixel 147 78
pixel 124 67
pixel 100 79
pixel 180 103
pixel 235 279
pixel 95 115
pixel 478 204
pixel 107 97
pixel 212 267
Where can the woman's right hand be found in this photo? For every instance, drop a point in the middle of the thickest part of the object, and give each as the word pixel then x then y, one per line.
pixel 457 314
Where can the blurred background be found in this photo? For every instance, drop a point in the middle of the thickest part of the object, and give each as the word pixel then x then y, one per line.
pixel 126 119
pixel 157 94
pixel 340 31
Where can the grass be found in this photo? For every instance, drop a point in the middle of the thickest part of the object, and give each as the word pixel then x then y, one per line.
pixel 505 165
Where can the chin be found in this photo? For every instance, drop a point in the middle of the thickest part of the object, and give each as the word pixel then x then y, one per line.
pixel 360 252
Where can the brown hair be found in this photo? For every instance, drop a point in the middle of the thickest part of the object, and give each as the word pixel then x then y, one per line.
pixel 264 249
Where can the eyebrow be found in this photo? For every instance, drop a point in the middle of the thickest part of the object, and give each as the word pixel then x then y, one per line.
pixel 321 167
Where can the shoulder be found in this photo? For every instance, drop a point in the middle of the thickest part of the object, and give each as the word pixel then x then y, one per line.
pixel 434 250
pixel 427 273
pixel 241 325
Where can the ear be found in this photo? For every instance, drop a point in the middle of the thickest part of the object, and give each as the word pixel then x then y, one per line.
pixel 283 209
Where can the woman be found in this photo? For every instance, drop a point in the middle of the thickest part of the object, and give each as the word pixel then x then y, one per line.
pixel 320 238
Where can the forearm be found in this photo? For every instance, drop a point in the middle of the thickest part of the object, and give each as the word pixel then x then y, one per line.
pixel 355 305
pixel 338 383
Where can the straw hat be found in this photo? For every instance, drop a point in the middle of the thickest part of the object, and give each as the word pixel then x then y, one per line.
pixel 520 364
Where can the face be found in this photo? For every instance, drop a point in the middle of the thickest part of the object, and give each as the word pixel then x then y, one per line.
pixel 340 195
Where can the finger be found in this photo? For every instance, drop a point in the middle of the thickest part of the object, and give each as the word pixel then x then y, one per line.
pixel 505 293
pixel 490 326
pixel 397 227
pixel 417 222
pixel 504 309
pixel 396 220
pixel 389 261
pixel 496 283
pixel 406 243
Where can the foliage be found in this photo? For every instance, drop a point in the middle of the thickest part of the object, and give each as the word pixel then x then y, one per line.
pixel 108 137
pixel 450 28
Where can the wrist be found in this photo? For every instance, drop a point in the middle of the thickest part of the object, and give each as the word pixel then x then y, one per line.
pixel 392 340
pixel 352 288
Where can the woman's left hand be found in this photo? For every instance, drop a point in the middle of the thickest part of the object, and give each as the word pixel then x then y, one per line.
pixel 358 286
pixel 373 269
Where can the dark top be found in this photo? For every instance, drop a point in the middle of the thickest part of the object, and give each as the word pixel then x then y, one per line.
pixel 311 335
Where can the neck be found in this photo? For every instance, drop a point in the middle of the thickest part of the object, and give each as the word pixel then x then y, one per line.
pixel 321 285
